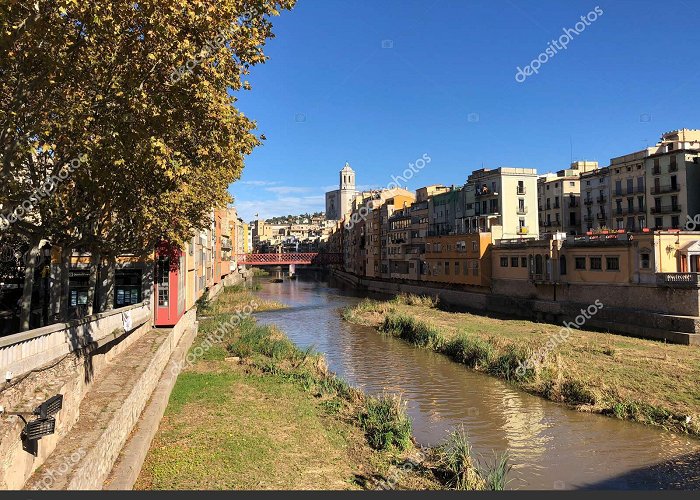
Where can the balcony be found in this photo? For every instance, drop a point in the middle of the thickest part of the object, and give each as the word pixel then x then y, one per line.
pixel 523 230
pixel 573 203
pixel 665 189
pixel 522 210
pixel 588 201
pixel 601 199
pixel 602 216
pixel 630 211
pixel 588 218
pixel 485 192
pixel 521 190
pixel 656 171
pixel 666 209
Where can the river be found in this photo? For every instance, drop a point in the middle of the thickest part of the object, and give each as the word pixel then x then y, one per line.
pixel 551 446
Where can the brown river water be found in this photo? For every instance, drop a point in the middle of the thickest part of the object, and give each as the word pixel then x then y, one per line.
pixel 550 445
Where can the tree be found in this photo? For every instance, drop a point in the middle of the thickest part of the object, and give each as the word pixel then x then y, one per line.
pixel 139 96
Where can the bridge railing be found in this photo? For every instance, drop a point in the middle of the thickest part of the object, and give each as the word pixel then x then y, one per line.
pixel 320 258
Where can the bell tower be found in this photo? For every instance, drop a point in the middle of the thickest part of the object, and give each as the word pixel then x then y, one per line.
pixel 347 178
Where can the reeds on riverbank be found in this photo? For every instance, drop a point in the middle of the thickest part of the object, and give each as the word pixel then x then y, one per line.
pixel 627 378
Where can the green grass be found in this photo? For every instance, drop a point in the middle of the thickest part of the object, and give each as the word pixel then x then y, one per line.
pixel 462 470
pixel 385 422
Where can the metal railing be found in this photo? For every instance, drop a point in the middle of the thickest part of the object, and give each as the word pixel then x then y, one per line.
pixel 666 189
pixel 678 279
pixel 666 209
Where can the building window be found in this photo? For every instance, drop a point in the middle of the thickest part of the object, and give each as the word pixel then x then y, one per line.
pixel 504 261
pixel 513 262
pixel 447 268
pixel 581 263
pixel 475 268
pixel 596 264
pixel 675 222
pixel 612 263
pixel 523 261
pixel 127 289
pixel 163 278
pixel 562 265
pixel 645 260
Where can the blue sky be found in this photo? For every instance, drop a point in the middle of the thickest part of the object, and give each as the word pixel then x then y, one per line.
pixel 379 83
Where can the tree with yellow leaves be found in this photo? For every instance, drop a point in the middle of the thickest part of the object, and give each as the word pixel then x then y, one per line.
pixel 136 102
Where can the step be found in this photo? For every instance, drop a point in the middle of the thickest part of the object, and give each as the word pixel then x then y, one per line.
pixel 108 413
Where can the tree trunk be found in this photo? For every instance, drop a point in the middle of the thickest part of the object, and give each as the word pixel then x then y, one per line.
pixel 26 304
pixel 92 283
pixel 66 254
pixel 107 288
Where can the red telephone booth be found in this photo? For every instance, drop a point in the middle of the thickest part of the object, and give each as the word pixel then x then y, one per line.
pixel 169 286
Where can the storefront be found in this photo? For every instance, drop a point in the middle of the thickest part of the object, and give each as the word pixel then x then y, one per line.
pixel 127 287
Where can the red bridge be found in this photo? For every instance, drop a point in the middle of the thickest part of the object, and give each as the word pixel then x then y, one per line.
pixel 278 259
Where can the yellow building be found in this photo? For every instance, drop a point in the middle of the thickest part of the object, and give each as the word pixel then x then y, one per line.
pixel 609 257
pixel 462 259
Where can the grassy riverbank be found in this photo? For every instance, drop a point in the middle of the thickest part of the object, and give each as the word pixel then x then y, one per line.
pixel 256 412
pixel 628 378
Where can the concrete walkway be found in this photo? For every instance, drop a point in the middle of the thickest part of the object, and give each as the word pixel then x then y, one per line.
pixel 108 413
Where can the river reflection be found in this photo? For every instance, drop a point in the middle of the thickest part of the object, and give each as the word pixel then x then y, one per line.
pixel 550 446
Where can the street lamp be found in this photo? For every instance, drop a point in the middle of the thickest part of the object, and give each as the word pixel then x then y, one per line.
pixel 44 424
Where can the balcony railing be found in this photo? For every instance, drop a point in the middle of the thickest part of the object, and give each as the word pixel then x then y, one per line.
pixel 665 189
pixel 602 216
pixel 522 210
pixel 573 203
pixel 656 171
pixel 588 218
pixel 521 190
pixel 486 192
pixel 601 199
pixel 629 211
pixel 523 230
pixel 588 201
pixel 666 209
pixel 678 279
